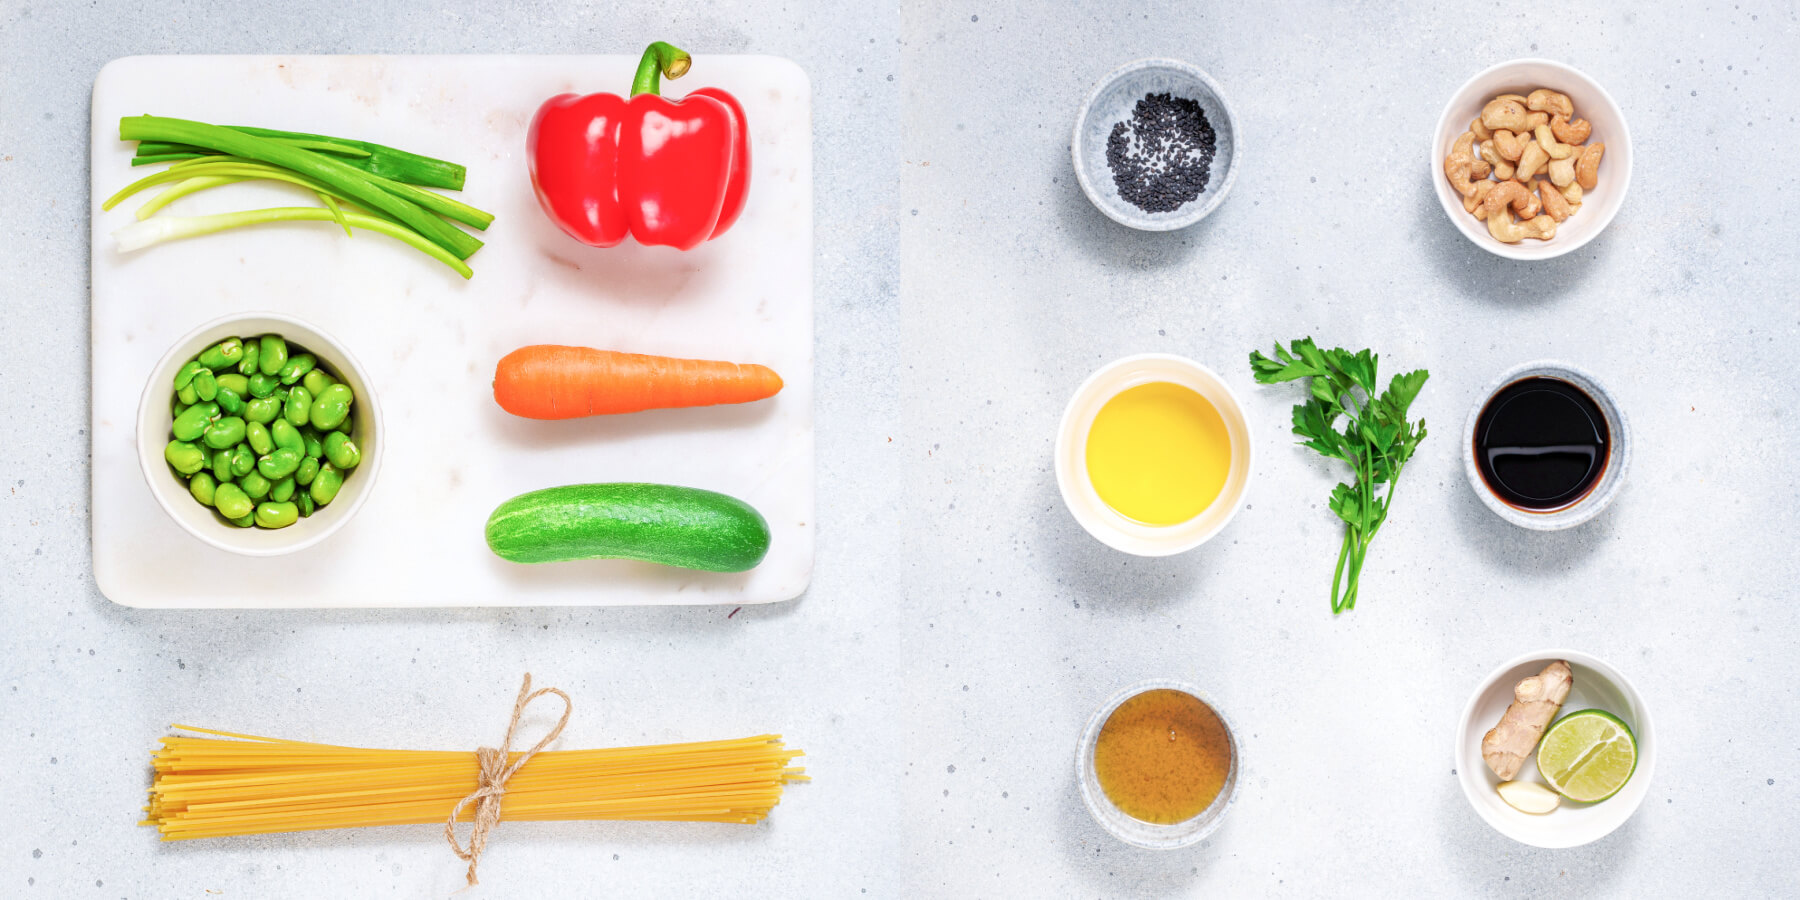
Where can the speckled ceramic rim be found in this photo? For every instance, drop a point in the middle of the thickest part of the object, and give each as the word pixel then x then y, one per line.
pixel 1545 831
pixel 1147 222
pixel 1105 523
pixel 1618 458
pixel 172 495
pixel 1611 129
pixel 1137 832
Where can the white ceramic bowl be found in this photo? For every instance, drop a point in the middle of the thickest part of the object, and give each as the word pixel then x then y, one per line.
pixel 1138 832
pixel 1618 456
pixel 1592 102
pixel 1597 686
pixel 171 491
pixel 1111 101
pixel 1100 520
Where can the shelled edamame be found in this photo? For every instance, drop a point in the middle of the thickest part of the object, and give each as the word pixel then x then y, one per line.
pixel 262 432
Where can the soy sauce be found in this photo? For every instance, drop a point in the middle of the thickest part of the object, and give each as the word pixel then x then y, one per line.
pixel 1541 444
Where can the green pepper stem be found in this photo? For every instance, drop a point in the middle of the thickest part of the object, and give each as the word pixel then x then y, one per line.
pixel 659 59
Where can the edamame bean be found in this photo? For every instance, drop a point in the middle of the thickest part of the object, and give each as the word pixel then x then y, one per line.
pixel 286 435
pixel 202 486
pixel 185 375
pixel 263 410
pixel 273 355
pixel 221 465
pixel 309 468
pixel 315 442
pixel 187 395
pixel 226 353
pixel 231 501
pixel 243 460
pixel 297 367
pixel 238 384
pixel 276 515
pixel 317 381
pixel 306 503
pixel 279 464
pixel 331 408
pixel 191 424
pixel 179 408
pixel 326 484
pixel 255 485
pixel 258 438
pixel 282 492
pixel 342 451
pixel 185 457
pixel 299 405
pixel 230 401
pixel 247 365
pixel 226 432
pixel 263 385
pixel 205 385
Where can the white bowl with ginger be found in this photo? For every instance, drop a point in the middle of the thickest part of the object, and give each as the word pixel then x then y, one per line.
pixel 1594 684
pixel 1549 122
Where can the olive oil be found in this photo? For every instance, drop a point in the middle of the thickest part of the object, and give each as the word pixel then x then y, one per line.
pixel 1158 453
pixel 1162 756
pixel 1541 444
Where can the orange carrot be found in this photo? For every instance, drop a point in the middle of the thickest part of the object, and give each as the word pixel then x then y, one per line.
pixel 548 381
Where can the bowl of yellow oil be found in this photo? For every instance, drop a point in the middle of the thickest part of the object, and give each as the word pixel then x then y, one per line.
pixel 1158 765
pixel 1153 455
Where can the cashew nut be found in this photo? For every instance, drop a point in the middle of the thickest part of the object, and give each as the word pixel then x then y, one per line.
pixel 1509 145
pixel 1532 205
pixel 1546 100
pixel 1503 170
pixel 1572 193
pixel 1519 98
pixel 1587 168
pixel 1571 132
pixel 1480 131
pixel 1473 201
pixel 1548 141
pixel 1504 229
pixel 1505 193
pixel 1479 168
pixel 1533 160
pixel 1534 119
pixel 1459 164
pixel 1562 171
pixel 1556 206
pixel 1502 112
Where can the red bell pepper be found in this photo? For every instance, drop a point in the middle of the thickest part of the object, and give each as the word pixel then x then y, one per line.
pixel 670 172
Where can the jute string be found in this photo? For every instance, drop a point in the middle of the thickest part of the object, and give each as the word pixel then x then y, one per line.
pixel 494 775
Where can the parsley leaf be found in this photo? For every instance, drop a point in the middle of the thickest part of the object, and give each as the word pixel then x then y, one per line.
pixel 1377 439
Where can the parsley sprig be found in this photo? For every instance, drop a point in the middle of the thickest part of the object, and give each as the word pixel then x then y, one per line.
pixel 1376 439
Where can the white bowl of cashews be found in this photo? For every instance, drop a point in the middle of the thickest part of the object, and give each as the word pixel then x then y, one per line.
pixel 1584 156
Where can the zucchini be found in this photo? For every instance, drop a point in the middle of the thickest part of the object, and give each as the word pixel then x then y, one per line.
pixel 656 523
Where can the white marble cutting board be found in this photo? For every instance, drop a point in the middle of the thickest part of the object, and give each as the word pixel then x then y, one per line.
pixel 430 340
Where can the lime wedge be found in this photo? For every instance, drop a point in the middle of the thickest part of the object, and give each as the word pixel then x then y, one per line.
pixel 1587 755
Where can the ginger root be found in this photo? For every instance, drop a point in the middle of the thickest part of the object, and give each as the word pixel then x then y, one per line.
pixel 1535 702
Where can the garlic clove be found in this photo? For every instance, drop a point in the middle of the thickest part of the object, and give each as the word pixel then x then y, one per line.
pixel 1528 797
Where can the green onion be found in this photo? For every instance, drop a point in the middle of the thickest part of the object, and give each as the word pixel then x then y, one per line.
pixel 399 165
pixel 372 192
pixel 159 229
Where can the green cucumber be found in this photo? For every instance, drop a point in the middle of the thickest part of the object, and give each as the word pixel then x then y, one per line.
pixel 657 523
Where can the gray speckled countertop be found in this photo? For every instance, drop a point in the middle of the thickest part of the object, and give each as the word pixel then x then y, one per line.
pixel 960 627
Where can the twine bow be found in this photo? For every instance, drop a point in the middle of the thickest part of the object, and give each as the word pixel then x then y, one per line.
pixel 494 775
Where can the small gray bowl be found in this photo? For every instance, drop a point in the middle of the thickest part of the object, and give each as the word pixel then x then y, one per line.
pixel 1618 457
pixel 1137 832
pixel 1111 102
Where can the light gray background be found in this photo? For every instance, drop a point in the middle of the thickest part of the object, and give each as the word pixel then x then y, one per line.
pixel 961 627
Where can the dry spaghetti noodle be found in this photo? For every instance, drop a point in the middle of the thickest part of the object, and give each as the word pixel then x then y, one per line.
pixel 234 784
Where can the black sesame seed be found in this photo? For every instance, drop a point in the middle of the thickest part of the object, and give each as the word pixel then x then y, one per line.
pixel 1162 156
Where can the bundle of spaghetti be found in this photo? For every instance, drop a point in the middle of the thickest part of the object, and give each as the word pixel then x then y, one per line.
pixel 234 784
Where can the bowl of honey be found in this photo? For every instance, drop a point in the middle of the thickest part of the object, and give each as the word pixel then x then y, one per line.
pixel 1153 455
pixel 1158 765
